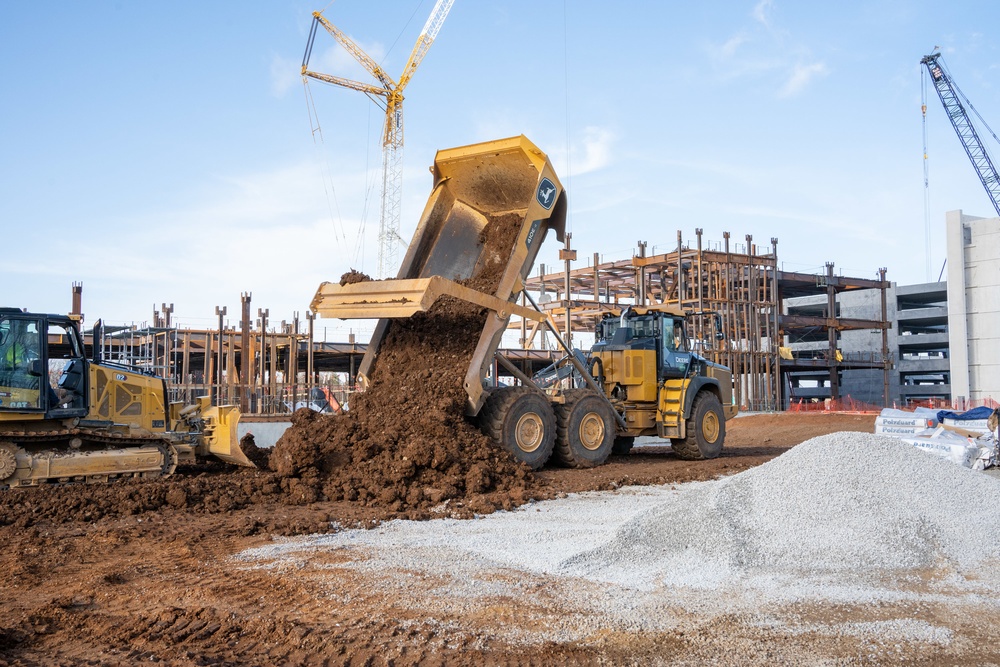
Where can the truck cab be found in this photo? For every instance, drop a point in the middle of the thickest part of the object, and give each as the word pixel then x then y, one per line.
pixel 642 360
pixel 658 331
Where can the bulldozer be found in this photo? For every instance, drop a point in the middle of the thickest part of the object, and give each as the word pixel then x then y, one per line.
pixel 639 378
pixel 65 418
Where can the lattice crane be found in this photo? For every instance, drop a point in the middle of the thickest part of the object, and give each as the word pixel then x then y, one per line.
pixel 974 148
pixel 388 94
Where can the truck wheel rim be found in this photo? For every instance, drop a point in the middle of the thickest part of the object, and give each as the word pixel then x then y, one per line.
pixel 710 427
pixel 591 431
pixel 528 432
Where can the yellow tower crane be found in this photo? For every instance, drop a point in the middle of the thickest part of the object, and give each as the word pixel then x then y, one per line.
pixel 388 94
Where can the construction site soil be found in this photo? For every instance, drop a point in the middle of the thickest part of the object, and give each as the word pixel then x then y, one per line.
pixel 141 571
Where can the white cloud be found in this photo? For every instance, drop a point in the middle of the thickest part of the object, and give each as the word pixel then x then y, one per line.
pixel 728 49
pixel 270 233
pixel 761 11
pixel 800 78
pixel 597 150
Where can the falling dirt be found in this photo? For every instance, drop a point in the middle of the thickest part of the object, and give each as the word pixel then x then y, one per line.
pixel 406 443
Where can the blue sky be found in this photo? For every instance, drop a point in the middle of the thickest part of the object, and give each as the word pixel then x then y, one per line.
pixel 163 153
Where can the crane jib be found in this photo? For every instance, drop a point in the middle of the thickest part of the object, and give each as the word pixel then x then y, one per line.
pixel 950 94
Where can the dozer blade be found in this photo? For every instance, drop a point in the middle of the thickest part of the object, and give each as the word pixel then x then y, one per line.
pixel 403 298
pixel 221 436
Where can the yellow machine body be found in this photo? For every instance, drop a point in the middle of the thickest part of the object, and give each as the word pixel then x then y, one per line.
pixel 648 371
pixel 125 397
pixel 97 421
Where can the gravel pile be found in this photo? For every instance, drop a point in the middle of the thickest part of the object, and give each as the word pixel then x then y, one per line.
pixel 848 521
pixel 844 502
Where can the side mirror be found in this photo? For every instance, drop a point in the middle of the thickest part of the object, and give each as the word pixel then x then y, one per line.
pixel 35 368
pixel 719 335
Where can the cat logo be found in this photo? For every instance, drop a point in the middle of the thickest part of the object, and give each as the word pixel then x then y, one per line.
pixel 546 194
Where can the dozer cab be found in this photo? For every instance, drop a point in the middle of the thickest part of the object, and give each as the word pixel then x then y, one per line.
pixel 634 393
pixel 65 418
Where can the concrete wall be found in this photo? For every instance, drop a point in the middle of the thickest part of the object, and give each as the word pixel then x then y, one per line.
pixel 974 304
pixel 918 339
pixel 920 342
pixel 860 384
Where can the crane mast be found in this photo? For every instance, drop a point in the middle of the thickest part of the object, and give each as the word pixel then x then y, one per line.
pixel 389 96
pixel 967 134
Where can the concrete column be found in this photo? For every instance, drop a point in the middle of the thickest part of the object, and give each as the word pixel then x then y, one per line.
pixel 958 324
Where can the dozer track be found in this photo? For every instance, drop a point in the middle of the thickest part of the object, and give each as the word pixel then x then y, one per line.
pixel 75 455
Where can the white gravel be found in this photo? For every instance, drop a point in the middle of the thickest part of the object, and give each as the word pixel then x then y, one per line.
pixel 845 519
pixel 847 501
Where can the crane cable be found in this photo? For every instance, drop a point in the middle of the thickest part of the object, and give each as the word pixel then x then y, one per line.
pixel 359 249
pixel 927 190
pixel 328 188
pixel 569 164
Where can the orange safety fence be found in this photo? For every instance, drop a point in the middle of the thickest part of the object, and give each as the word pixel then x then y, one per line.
pixel 848 404
pixel 845 404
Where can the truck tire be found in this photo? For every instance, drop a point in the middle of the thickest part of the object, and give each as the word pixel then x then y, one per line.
pixel 706 430
pixel 585 429
pixel 623 445
pixel 521 421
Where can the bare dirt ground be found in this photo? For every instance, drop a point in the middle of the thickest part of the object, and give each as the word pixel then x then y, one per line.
pixel 98 585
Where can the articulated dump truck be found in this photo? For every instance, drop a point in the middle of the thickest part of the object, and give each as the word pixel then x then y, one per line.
pixel 640 379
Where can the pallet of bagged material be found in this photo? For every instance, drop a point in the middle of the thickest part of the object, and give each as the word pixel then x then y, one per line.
pixel 916 413
pixel 899 423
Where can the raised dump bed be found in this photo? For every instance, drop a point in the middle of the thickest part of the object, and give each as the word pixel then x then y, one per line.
pixel 491 207
pixel 473 186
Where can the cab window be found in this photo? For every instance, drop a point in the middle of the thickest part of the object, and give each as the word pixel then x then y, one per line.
pixel 66 367
pixel 21 371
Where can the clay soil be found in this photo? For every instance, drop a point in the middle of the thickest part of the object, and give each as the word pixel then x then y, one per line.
pixel 140 571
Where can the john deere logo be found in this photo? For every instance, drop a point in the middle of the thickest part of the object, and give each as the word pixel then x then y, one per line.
pixel 546 194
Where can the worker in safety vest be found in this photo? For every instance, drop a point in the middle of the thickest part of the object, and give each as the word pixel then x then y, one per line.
pixel 16 359
pixel 18 355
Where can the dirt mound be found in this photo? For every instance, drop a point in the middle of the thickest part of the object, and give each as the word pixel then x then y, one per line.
pixel 259 457
pixel 406 443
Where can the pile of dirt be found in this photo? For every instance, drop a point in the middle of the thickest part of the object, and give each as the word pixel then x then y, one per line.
pixel 406 443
